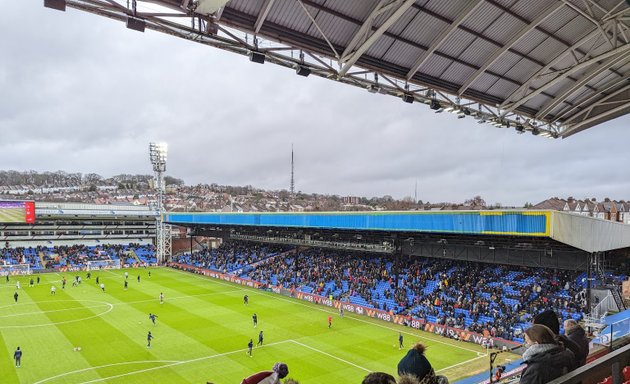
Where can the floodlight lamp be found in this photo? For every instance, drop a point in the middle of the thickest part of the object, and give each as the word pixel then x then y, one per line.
pixel 535 131
pixel 407 98
pixel 373 88
pixel 435 105
pixel 59 5
pixel 303 71
pixel 257 57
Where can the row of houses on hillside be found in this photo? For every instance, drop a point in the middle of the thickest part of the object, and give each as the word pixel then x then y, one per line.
pixel 608 209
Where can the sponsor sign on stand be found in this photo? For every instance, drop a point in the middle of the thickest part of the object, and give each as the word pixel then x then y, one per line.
pixel 421 324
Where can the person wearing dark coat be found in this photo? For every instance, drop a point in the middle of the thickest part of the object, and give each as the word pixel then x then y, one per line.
pixel 576 333
pixel 546 358
pixel 550 320
pixel 416 364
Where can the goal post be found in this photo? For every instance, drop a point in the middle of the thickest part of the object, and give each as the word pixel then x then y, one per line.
pixel 15 269
pixel 103 264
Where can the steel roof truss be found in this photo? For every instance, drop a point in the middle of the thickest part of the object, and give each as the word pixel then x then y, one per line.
pixel 570 110
pixel 587 77
pixel 566 73
pixel 332 48
pixel 522 90
pixel 498 53
pixel 590 108
pixel 376 35
pixel 362 33
pixel 263 15
pixel 439 40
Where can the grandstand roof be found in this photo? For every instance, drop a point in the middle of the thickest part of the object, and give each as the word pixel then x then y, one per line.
pixel 549 67
pixel 585 233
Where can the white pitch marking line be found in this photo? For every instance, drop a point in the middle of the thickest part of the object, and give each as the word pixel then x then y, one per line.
pixel 172 364
pixel 329 355
pixel 104 366
pixel 279 297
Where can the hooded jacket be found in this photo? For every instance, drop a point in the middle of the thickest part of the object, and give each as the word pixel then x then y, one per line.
pixel 578 336
pixel 546 362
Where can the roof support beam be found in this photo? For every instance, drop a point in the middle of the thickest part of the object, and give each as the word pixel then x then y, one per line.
pixel 600 116
pixel 585 112
pixel 263 15
pixel 567 73
pixel 544 70
pixel 375 36
pixel 498 53
pixel 570 112
pixel 439 40
pixel 362 33
pixel 588 76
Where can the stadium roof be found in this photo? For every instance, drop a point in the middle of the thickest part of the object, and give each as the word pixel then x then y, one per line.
pixel 585 233
pixel 549 67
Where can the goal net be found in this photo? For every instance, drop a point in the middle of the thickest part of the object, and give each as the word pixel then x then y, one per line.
pixel 102 264
pixel 15 269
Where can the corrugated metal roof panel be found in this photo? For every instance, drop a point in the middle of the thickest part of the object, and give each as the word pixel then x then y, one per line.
pixel 449 9
pixel 523 69
pixel 457 73
pixel 504 28
pixel 336 30
pixel 359 10
pixel 293 17
pixel 457 43
pixel 530 41
pixel 547 50
pixel 478 52
pixel 506 62
pixel 486 14
pixel 402 54
pixel 559 19
pixel 249 7
pixel 502 88
pixel 423 29
pixel 402 23
pixel 435 65
pixel 529 9
pixel 484 82
pixel 381 47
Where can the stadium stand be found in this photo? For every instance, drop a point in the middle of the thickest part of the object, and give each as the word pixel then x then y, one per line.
pixel 490 299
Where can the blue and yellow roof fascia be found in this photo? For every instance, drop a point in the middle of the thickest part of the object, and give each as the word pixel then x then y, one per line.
pixel 495 222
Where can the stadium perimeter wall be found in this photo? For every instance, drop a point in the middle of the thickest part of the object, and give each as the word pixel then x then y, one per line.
pixel 409 321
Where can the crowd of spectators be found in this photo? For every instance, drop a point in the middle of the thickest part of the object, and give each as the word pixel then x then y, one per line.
pixel 231 256
pixel 494 300
pixel 74 256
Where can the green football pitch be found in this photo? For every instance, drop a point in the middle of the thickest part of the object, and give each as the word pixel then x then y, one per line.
pixel 201 334
pixel 12 215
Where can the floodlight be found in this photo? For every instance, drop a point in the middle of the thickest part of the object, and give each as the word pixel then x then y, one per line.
pixel 257 57
pixel 303 71
pixel 407 98
pixel 535 131
pixel 435 105
pixel 519 128
pixel 373 88
pixel 59 5
pixel 136 24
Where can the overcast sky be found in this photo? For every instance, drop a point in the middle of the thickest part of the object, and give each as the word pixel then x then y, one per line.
pixel 81 93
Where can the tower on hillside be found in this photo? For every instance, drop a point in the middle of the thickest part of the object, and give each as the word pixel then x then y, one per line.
pixel 292 188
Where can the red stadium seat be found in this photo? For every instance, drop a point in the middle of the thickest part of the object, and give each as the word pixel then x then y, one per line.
pixel 626 373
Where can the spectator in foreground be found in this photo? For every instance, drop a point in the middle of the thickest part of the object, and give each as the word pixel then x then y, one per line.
pixel 576 333
pixel 546 357
pixel 550 320
pixel 379 378
pixel 416 364
pixel 279 371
